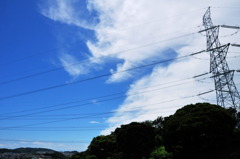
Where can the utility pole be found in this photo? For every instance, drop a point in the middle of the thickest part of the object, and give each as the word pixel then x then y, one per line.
pixel 226 92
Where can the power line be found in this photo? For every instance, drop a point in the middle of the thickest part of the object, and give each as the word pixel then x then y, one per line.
pixel 54 128
pixel 105 100
pixel 207 100
pixel 96 77
pixel 59 68
pixel 227 7
pixel 168 17
pixel 234 52
pixel 44 141
pixel 233 57
pixel 76 128
pixel 206 59
pixel 104 113
pixel 135 25
pixel 28 57
pixel 115 53
pixel 63 108
pixel 103 96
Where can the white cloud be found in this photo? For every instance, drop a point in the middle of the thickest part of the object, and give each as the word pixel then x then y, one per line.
pixel 136 23
pixel 94 122
pixel 140 31
pixel 72 65
pixel 65 12
pixel 125 25
pixel 167 99
pixel 128 25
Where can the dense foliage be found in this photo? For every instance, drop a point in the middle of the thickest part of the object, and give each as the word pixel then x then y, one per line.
pixel 200 130
pixel 128 136
pixel 194 131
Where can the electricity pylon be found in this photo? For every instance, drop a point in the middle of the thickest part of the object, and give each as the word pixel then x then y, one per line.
pixel 226 91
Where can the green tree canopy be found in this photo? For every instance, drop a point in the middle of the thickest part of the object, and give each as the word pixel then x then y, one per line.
pixel 196 131
pixel 135 140
pixel 102 146
pixel 201 129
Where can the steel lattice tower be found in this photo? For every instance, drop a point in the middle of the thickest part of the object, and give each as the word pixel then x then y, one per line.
pixel 226 91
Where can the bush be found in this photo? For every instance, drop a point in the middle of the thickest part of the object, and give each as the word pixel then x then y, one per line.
pixel 161 153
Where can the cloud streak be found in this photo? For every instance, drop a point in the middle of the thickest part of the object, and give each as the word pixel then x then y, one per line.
pixel 65 12
pixel 72 65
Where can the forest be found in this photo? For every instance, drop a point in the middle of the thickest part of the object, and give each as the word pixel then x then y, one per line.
pixel 195 131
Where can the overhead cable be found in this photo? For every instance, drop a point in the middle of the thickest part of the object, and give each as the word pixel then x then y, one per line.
pixel 102 97
pixel 95 77
pixel 89 103
pixel 71 65
pixel 103 113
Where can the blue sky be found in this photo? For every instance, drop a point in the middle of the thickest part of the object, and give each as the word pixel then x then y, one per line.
pixel 48 44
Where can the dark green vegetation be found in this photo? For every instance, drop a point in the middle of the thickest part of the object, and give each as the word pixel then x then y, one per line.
pixel 193 132
pixel 202 131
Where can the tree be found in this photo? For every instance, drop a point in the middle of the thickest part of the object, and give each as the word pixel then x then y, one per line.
pixel 198 131
pixel 135 140
pixel 103 146
pixel 160 153
pixel 236 114
pixel 158 123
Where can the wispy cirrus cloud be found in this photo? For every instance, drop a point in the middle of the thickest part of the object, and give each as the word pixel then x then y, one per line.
pixel 163 96
pixel 72 65
pixel 133 31
pixel 140 31
pixel 137 31
pixel 94 122
pixel 68 12
pixel 65 12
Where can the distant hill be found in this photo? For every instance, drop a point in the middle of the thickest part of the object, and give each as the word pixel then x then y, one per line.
pixel 23 153
pixel 33 150
pixel 27 150
pixel 5 150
